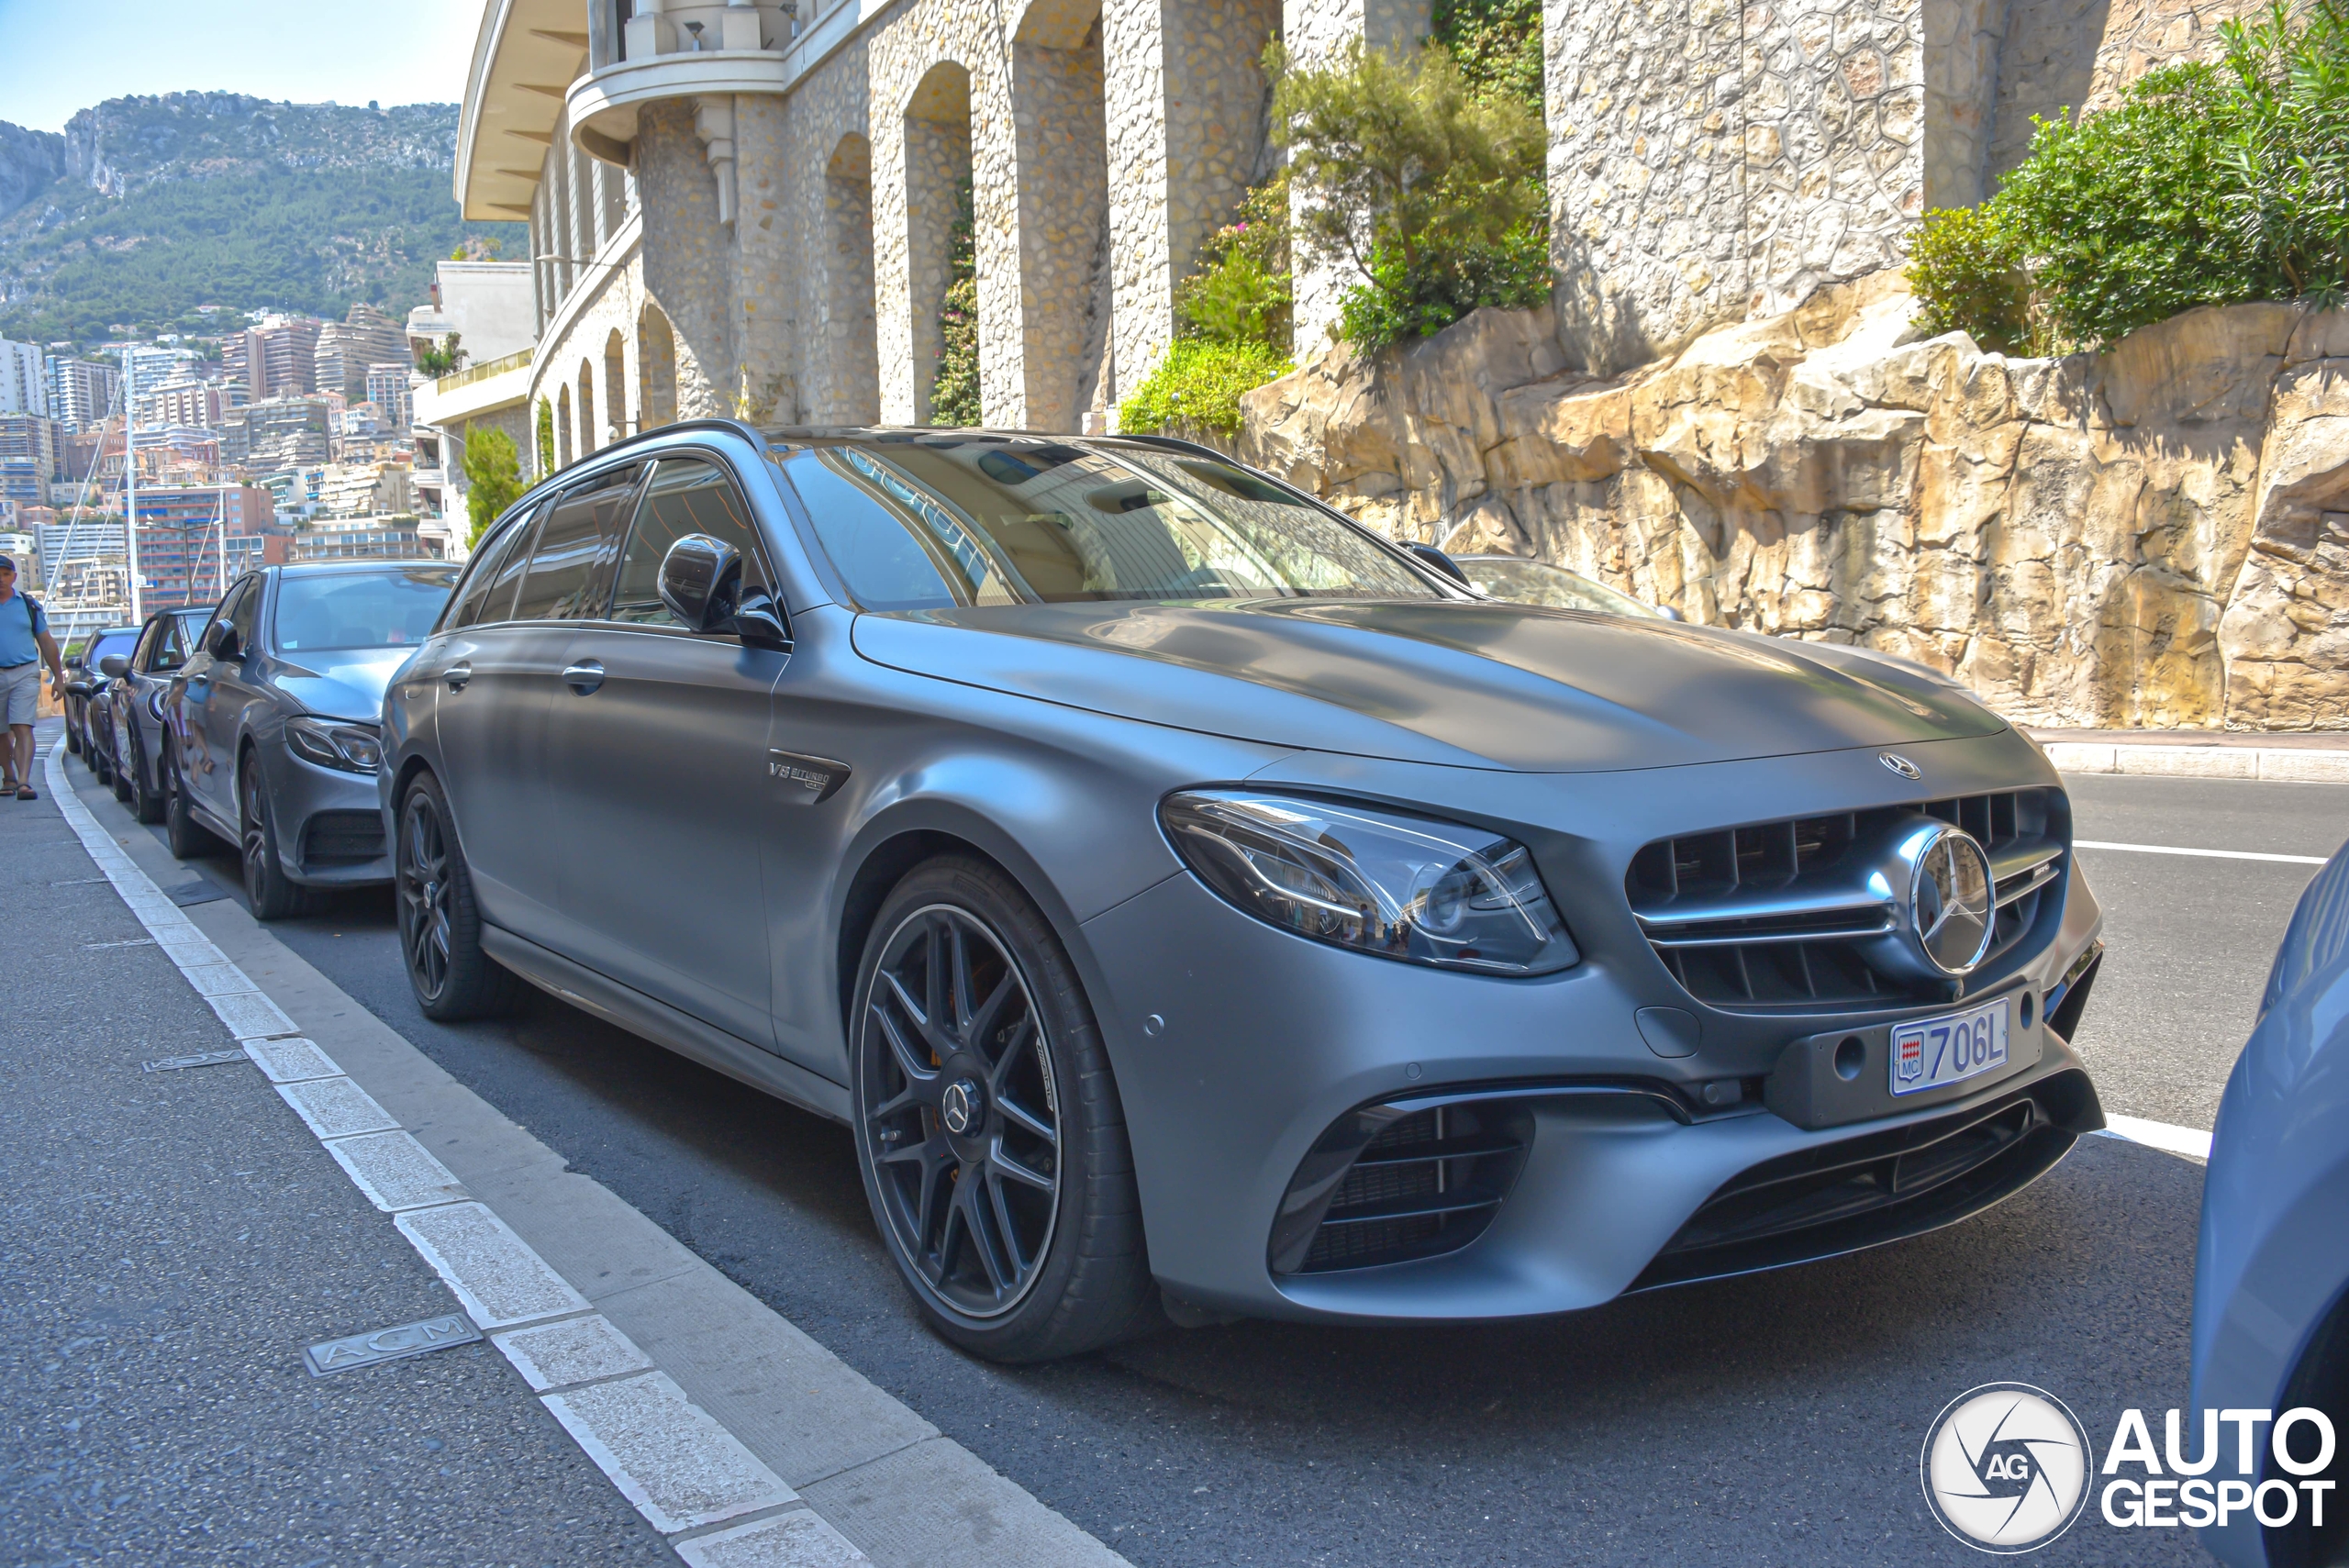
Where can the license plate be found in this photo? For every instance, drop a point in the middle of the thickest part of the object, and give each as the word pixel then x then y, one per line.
pixel 1932 1051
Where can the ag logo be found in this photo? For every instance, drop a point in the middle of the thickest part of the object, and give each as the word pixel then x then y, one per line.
pixel 2005 1467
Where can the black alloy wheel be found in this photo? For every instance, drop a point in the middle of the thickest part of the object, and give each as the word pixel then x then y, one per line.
pixel 272 893
pixel 187 837
pixel 440 924
pixel 146 800
pixel 994 1147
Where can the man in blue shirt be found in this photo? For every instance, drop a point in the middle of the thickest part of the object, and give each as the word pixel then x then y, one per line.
pixel 25 644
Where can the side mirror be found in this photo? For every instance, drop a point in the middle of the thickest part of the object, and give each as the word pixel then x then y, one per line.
pixel 1431 556
pixel 694 580
pixel 762 622
pixel 220 639
pixel 114 666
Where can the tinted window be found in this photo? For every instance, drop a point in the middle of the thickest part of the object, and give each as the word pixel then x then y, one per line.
pixel 474 594
pixel 687 496
pixel 349 610
pixel 498 602
pixel 172 640
pixel 241 609
pixel 1010 522
pixel 571 568
pixel 114 642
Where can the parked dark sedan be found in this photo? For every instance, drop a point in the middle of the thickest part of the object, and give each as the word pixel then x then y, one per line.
pixel 1194 903
pixel 133 705
pixel 273 723
pixel 85 680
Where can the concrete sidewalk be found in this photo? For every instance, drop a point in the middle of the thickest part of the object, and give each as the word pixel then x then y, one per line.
pixel 2321 757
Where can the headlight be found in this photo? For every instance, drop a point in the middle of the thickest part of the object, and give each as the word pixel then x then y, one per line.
pixel 353 748
pixel 1380 882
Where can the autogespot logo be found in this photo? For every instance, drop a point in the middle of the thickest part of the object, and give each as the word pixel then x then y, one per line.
pixel 2005 1467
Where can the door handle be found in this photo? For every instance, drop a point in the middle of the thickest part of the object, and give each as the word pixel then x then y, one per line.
pixel 457 675
pixel 584 677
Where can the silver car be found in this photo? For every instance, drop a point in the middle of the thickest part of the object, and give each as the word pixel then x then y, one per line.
pixel 1198 907
pixel 271 722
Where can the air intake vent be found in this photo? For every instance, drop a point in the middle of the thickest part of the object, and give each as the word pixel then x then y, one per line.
pixel 1777 916
pixel 1389 1184
pixel 343 837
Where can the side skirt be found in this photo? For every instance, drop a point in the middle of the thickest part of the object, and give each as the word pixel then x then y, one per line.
pixel 663 1025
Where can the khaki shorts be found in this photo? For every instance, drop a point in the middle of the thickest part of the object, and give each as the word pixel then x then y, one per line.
pixel 20 692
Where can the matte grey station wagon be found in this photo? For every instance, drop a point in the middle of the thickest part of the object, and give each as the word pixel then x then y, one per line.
pixel 1197 906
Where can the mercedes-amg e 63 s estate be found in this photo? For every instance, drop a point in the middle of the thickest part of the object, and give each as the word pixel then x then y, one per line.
pixel 1197 906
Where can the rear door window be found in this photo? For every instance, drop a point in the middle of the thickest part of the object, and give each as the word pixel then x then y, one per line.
pixel 571 575
pixel 474 596
pixel 687 496
pixel 174 640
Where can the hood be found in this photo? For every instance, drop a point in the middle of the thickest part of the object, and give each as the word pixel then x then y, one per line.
pixel 344 684
pixel 1515 686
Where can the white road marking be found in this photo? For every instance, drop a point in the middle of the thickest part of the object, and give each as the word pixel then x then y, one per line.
pixel 2203 855
pixel 2159 1135
pixel 675 1462
pixel 577 1349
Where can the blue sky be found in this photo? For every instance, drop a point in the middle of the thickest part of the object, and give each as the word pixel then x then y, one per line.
pixel 56 58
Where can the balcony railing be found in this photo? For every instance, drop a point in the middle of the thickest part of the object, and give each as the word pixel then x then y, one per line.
pixel 518 360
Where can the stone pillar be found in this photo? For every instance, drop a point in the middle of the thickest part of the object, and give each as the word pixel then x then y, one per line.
pixel 767 262
pixel 687 260
pixel 1316 33
pixel 1184 103
pixel 1063 194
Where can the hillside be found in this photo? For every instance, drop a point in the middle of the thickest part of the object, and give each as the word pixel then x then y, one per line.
pixel 149 207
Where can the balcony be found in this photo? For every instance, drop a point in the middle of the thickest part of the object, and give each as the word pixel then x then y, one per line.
pixel 703 52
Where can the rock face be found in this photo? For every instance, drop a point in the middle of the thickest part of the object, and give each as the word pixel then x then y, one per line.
pixel 30 161
pixel 2157 537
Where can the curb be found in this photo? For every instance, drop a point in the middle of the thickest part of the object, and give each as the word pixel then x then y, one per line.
pixel 710 1455
pixel 2240 763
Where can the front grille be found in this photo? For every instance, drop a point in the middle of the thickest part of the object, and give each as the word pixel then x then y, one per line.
pixel 1879 1186
pixel 1386 1185
pixel 1777 915
pixel 343 837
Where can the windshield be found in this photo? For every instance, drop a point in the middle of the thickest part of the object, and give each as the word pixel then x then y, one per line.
pixel 932 522
pixel 340 611
pixel 1539 582
pixel 112 642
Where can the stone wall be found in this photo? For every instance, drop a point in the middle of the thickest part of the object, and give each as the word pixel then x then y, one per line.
pixel 2158 537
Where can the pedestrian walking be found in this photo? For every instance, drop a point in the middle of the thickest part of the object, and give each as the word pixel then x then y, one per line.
pixel 25 644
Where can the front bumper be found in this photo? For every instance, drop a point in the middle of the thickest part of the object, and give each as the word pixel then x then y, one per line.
pixel 329 823
pixel 1239 1049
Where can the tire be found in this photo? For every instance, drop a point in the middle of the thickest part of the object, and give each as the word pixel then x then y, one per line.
pixel 72 733
pixel 117 775
pixel 1022 1271
pixel 187 837
pixel 272 893
pixel 441 947
pixel 99 768
pixel 147 802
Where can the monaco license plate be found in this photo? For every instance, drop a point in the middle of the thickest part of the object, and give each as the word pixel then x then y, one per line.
pixel 1929 1052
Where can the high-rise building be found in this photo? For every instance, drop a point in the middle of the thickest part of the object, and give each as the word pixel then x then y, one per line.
pixel 82 393
pixel 146 368
pixel 23 379
pixel 278 432
pixel 181 401
pixel 23 481
pixel 30 436
pixel 79 538
pixel 275 359
pixel 387 390
pixel 346 349
pixel 194 539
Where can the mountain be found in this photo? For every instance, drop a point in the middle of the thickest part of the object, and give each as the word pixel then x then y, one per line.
pixel 149 207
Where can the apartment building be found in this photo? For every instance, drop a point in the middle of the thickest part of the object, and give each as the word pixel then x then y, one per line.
pixel 194 539
pixel 348 349
pixel 387 389
pixel 278 432
pixel 277 358
pixel 23 379
pixel 83 393
pixel 184 400
pixel 34 438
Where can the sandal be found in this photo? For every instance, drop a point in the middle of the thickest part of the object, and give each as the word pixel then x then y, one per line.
pixel 25 792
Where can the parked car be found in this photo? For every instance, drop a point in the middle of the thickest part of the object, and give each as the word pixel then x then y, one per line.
pixel 83 679
pixel 136 686
pixel 1194 903
pixel 2271 1278
pixel 273 723
pixel 1524 582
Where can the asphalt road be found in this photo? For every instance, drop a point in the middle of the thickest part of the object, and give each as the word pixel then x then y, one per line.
pixel 1765 1420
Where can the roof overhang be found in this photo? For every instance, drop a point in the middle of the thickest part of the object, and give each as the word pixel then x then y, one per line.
pixel 524 58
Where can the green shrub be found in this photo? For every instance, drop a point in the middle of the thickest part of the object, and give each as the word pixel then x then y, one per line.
pixel 1432 189
pixel 1970 276
pixel 1199 382
pixel 446 359
pixel 493 470
pixel 546 437
pixel 954 394
pixel 1496 44
pixel 1242 294
pixel 2207 184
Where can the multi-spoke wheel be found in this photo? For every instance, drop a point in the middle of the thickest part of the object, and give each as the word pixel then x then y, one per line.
pixel 994 1147
pixel 272 893
pixel 439 926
